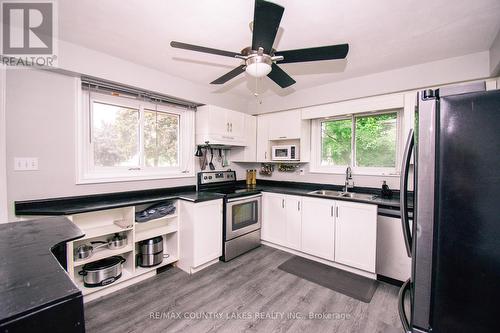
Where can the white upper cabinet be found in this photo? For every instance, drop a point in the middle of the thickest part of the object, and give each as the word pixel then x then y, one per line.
pixel 220 126
pixel 247 153
pixel 318 227
pixel 285 125
pixel 263 154
pixel 283 128
pixel 356 235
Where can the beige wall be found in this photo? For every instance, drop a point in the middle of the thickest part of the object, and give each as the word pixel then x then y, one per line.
pixel 40 109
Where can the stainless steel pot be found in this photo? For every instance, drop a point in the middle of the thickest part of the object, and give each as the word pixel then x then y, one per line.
pixel 150 252
pixel 151 246
pixel 102 272
pixel 85 251
pixel 150 260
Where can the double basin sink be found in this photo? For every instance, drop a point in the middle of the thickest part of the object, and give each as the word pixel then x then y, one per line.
pixel 339 194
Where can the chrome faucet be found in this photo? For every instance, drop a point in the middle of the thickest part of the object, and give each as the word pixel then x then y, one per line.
pixel 348 177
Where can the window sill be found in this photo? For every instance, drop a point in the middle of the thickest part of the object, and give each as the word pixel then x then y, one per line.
pixel 97 179
pixel 357 173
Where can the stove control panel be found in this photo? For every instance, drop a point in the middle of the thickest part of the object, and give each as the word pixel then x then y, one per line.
pixel 211 177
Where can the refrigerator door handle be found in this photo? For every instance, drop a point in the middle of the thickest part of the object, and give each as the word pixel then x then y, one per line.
pixel 405 220
pixel 401 306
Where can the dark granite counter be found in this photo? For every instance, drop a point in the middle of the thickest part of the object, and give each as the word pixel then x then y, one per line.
pixel 95 202
pixel 82 204
pixel 32 282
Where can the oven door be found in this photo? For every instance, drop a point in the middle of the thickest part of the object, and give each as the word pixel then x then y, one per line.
pixel 243 215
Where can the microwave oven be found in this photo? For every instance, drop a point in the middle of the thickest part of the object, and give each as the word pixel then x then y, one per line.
pixel 285 153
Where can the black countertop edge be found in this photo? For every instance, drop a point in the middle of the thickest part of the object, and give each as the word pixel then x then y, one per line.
pixel 32 278
pixel 318 186
pixel 95 202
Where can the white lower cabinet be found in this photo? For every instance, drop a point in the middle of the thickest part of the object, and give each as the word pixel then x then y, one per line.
pixel 281 220
pixel 200 234
pixel 293 217
pixel 318 227
pixel 356 235
pixel 339 231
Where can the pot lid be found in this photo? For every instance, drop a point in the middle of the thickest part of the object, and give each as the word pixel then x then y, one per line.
pixel 103 263
pixel 151 241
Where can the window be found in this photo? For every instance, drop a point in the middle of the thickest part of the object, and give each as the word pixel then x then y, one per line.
pixel 368 143
pixel 123 138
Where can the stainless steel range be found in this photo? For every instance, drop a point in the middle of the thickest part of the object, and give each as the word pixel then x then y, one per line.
pixel 242 212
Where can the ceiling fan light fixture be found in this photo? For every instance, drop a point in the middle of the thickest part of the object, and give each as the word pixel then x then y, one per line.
pixel 258 66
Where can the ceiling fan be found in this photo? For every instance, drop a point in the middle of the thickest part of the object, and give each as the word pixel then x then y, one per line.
pixel 261 59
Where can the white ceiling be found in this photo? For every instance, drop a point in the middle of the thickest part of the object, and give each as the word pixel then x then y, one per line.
pixel 383 35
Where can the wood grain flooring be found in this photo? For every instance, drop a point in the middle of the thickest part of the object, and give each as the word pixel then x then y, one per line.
pixel 247 294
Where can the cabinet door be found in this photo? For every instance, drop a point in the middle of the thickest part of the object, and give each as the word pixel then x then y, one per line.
pixel 273 220
pixel 318 227
pixel 236 121
pixel 263 154
pixel 285 125
pixel 356 235
pixel 207 229
pixel 218 121
pixel 293 213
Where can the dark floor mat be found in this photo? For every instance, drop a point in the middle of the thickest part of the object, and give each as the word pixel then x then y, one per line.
pixel 350 284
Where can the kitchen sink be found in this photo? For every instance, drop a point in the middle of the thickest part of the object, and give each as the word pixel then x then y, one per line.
pixel 338 194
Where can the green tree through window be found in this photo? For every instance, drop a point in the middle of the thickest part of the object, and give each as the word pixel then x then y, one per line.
pixel 375 141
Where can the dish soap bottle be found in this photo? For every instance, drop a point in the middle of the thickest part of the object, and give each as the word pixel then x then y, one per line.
pixel 386 191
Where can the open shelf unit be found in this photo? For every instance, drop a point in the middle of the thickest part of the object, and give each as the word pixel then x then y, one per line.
pixel 102 225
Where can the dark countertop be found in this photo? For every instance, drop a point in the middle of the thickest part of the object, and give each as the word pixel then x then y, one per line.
pixel 88 203
pixel 31 278
pixel 305 192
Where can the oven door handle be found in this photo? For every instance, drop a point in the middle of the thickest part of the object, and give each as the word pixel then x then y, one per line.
pixel 245 198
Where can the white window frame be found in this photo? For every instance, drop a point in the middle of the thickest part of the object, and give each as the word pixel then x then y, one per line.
pixel 316 166
pixel 87 173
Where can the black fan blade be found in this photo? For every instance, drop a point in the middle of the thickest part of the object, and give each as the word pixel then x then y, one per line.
pixel 228 76
pixel 314 53
pixel 203 49
pixel 266 21
pixel 280 77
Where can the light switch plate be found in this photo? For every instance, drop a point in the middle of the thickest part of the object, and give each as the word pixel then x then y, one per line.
pixel 25 163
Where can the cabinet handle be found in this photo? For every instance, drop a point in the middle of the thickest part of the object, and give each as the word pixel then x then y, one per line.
pixel 298 205
pixel 337 211
pixel 282 137
pixel 283 203
pixel 331 211
pixel 231 127
pixel 227 127
pixel 265 155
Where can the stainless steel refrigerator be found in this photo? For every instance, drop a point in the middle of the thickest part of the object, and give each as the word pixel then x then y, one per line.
pixel 454 240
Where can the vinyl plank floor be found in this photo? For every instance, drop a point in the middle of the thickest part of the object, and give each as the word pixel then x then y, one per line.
pixel 247 294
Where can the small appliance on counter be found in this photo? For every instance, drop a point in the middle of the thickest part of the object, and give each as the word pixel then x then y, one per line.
pixel 285 153
pixel 102 272
pixel 150 252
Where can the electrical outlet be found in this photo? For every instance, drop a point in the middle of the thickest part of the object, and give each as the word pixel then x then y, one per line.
pixel 25 163
pixel 301 172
